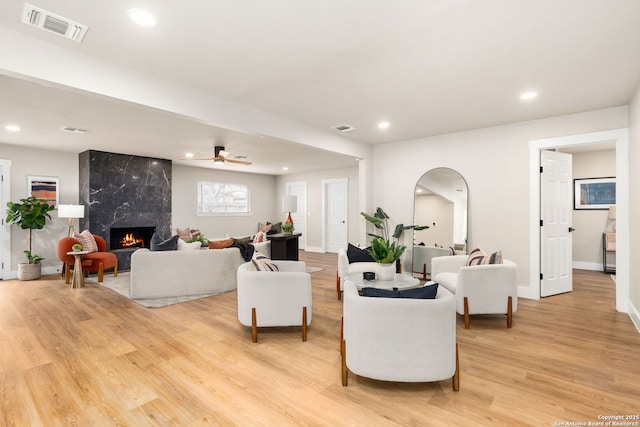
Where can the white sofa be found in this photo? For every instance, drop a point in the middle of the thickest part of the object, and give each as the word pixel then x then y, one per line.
pixel 268 298
pixel 162 274
pixel 479 289
pixel 399 339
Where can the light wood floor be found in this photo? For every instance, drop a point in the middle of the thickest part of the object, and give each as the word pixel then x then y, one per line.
pixel 89 357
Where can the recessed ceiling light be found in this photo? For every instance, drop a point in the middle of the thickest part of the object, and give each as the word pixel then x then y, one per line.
pixel 142 17
pixel 418 190
pixel 526 96
pixel 12 128
pixel 383 125
pixel 188 154
pixel 284 168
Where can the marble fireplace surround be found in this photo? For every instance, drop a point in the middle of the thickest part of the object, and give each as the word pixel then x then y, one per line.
pixel 120 190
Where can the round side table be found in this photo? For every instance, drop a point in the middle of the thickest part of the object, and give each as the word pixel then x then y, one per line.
pixel 78 278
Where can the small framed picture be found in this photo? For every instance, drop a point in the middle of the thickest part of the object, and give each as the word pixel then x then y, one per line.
pixel 45 187
pixel 594 193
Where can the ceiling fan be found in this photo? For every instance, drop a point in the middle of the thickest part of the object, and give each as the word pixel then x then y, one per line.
pixel 221 156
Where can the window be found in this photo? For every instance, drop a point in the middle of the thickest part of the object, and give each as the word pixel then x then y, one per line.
pixel 217 198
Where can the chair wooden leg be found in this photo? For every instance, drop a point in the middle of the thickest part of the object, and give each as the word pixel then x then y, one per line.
pixel 338 286
pixel 456 375
pixel 304 323
pixel 115 269
pixel 100 272
pixel 345 371
pixel 466 313
pixel 341 333
pixel 67 269
pixel 254 326
pixel 424 271
pixel 510 312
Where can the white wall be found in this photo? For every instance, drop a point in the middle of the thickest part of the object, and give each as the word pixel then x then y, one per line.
pixel 38 162
pixel 590 224
pixel 495 164
pixel 634 208
pixel 184 201
pixel 314 202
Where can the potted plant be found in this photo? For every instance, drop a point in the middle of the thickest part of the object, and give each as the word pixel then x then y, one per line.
pixel 386 250
pixel 287 228
pixel 77 247
pixel 31 214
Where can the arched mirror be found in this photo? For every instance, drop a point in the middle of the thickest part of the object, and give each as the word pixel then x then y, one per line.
pixel 440 202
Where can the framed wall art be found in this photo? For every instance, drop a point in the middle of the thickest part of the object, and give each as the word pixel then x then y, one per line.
pixel 594 193
pixel 45 187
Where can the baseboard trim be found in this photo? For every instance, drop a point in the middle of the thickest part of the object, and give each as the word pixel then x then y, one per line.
pixel 527 292
pixel 593 266
pixel 634 314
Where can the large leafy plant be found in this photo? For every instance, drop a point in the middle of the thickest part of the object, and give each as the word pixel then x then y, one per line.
pixel 31 214
pixel 386 248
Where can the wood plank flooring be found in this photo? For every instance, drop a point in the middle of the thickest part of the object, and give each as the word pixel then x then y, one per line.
pixel 89 357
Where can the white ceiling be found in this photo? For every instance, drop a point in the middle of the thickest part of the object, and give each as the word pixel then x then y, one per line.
pixel 427 66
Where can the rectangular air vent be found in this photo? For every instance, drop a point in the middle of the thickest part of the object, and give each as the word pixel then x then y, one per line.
pixel 73 130
pixel 64 27
pixel 343 128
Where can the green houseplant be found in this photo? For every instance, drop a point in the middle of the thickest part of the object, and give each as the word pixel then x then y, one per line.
pixel 385 248
pixel 30 214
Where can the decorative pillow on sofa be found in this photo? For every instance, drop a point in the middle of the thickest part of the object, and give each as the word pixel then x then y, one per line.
pixel 262 263
pixel 157 244
pixel 86 240
pixel 260 236
pixel 264 227
pixel 184 246
pixel 184 233
pixel 242 240
pixel 220 244
pixel 425 292
pixel 479 257
pixel 355 254
pixel 275 228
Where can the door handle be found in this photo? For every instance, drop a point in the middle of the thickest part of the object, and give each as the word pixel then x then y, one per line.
pixel 571 229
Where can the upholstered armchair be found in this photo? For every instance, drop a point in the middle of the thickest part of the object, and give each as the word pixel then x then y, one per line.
pixel 345 269
pixel 274 298
pixel 399 339
pixel 94 261
pixel 478 289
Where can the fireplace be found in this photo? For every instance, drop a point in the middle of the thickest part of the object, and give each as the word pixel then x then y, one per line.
pixel 130 237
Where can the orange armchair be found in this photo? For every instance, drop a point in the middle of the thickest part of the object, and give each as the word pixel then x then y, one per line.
pixel 94 261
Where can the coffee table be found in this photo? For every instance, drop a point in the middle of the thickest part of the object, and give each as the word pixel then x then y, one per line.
pixel 400 281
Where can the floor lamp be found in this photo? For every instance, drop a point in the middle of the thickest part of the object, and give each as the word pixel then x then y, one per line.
pixel 71 212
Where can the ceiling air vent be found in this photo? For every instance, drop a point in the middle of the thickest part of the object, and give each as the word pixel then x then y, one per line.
pixel 64 27
pixel 344 128
pixel 73 130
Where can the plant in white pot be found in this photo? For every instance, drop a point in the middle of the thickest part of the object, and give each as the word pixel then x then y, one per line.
pixel 386 250
pixel 31 214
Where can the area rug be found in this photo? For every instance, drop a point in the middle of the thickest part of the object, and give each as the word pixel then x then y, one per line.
pixel 120 285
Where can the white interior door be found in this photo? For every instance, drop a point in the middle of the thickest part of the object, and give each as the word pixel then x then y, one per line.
pixel 336 211
pixel 5 230
pixel 555 232
pixel 299 218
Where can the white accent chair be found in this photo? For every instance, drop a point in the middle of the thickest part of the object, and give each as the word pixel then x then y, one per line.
pixel 345 269
pixel 280 298
pixel 399 339
pixel 479 289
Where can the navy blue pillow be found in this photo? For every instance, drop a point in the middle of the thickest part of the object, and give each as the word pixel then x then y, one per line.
pixel 355 254
pixel 157 244
pixel 425 292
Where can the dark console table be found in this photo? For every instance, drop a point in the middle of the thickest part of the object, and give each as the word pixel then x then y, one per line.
pixel 284 246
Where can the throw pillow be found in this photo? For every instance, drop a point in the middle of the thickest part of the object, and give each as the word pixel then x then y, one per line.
pixel 262 263
pixel 220 244
pixel 425 292
pixel 242 240
pixel 184 246
pixel 184 233
pixel 260 236
pixel 479 257
pixel 264 227
pixel 86 240
pixel 157 244
pixel 275 228
pixel 355 254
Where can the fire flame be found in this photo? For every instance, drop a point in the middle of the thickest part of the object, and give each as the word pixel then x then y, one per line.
pixel 130 240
